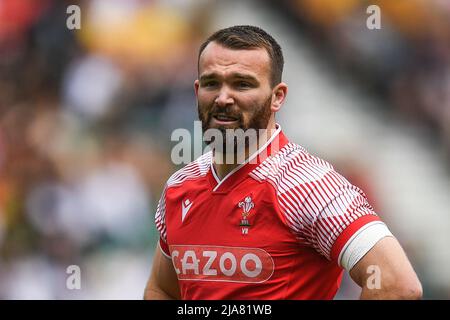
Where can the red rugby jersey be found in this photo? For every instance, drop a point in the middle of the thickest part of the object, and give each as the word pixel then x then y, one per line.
pixel 273 228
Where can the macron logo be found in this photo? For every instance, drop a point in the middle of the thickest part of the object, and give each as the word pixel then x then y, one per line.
pixel 185 206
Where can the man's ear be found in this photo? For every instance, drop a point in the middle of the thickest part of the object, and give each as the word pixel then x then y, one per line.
pixel 279 94
pixel 196 85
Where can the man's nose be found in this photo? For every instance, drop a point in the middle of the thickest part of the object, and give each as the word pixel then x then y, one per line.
pixel 224 98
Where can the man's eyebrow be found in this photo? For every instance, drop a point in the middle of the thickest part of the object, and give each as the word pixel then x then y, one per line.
pixel 208 76
pixel 238 75
pixel 244 76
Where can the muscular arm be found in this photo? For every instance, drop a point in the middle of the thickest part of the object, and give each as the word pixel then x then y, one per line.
pixel 163 282
pixel 397 277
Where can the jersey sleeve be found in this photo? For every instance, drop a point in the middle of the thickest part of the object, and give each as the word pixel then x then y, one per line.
pixel 160 221
pixel 327 212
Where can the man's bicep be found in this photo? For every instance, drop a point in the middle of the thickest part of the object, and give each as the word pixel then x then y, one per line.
pixel 163 282
pixel 385 272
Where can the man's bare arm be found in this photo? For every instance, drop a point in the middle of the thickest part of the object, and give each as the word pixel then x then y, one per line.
pixel 163 282
pixel 388 261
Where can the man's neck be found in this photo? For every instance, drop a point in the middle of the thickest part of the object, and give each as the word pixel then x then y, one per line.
pixel 224 166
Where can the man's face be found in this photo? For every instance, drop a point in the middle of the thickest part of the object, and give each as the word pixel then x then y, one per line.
pixel 233 89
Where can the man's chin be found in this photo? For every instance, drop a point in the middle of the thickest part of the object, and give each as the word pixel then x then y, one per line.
pixel 224 127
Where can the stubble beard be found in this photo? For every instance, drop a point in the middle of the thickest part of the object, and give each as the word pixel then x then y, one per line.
pixel 258 122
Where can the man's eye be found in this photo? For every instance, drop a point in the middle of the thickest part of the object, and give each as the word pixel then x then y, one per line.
pixel 210 84
pixel 244 84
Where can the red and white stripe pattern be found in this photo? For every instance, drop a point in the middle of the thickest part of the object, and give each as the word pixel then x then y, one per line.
pixel 160 216
pixel 317 202
pixel 196 169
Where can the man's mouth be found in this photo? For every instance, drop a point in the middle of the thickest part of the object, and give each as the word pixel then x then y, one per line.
pixel 224 119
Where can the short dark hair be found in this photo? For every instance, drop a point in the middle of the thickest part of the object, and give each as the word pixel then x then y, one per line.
pixel 248 37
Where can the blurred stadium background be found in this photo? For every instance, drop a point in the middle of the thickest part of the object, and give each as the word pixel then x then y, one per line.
pixel 86 117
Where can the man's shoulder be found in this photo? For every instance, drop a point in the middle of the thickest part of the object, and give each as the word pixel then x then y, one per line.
pixel 291 166
pixel 194 170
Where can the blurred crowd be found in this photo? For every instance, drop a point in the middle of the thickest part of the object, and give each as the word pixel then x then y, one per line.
pixel 406 61
pixel 85 122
